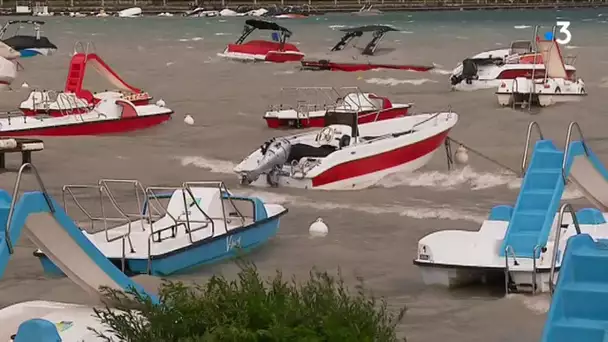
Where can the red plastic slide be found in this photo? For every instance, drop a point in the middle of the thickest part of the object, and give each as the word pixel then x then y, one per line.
pixel 77 69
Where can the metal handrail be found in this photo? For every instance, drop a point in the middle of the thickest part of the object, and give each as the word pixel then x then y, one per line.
pixel 558 233
pixel 512 251
pixel 222 187
pixel 567 146
pixel 536 248
pixel 11 210
pixel 524 161
pixel 136 186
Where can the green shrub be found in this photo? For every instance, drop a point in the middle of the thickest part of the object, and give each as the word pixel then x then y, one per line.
pixel 250 309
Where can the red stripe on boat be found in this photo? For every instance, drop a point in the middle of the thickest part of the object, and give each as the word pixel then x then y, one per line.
pixel 95 127
pixel 379 162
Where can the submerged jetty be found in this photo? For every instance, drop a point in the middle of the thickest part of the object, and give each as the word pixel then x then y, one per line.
pixel 314 7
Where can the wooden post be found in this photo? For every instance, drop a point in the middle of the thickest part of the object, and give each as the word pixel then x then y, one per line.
pixel 71 3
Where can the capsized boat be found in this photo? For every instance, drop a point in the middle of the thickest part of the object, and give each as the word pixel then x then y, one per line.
pixel 523 244
pixel 311 105
pixel 343 57
pixel 108 116
pixel 345 155
pixel 199 223
pixel 75 99
pixel 28 45
pixel 556 86
pixel 275 51
pixel 489 69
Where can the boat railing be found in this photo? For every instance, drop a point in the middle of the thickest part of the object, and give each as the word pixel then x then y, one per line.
pixel 558 232
pixel 224 193
pixel 155 205
pixel 314 98
pixel 524 159
pixel 11 211
pixel 572 125
pixel 509 251
pixel 86 48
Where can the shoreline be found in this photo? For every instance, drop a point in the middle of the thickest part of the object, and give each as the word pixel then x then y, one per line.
pixel 328 7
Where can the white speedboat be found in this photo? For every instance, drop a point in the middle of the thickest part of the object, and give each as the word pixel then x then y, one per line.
pixel 556 86
pixel 132 12
pixel 489 69
pixel 347 156
pixel 524 243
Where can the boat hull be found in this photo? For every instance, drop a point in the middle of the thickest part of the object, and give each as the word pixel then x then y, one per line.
pixel 28 111
pixel 100 127
pixel 263 51
pixel 364 117
pixel 200 253
pixel 352 67
pixel 357 174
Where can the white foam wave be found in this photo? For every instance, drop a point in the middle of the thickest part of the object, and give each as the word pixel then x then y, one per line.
pixel 570 47
pixel 538 304
pixel 440 71
pixel 336 27
pixel 284 72
pixel 406 32
pixel 195 39
pixel 213 165
pixel 223 34
pixel 452 179
pixel 393 81
pixel 521 27
pixel 443 213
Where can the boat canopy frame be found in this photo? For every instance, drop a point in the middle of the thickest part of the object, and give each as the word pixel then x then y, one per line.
pixel 350 33
pixel 35 23
pixel 253 24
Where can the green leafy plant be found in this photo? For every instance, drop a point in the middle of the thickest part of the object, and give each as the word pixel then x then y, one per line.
pixel 249 309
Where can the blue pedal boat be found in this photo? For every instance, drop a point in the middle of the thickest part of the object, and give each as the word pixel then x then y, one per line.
pixel 194 224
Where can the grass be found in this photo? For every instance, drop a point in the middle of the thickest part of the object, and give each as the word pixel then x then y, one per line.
pixel 249 309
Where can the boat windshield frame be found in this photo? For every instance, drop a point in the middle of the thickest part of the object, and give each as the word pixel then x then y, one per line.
pixel 253 24
pixel 350 33
pixel 35 23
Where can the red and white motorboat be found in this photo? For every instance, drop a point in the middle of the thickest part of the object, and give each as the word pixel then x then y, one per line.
pixel 304 112
pixel 76 100
pixel 106 117
pixel 345 57
pixel 275 51
pixel 347 156
pixel 488 69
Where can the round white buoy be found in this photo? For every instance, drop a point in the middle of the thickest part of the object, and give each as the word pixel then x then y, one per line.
pixel 160 103
pixel 25 85
pixel 318 228
pixel 461 156
pixel 189 120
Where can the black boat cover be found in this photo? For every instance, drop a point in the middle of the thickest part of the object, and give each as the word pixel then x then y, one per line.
pixel 28 42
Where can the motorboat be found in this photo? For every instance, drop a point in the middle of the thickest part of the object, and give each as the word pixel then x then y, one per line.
pixel 489 69
pixel 310 106
pixel 132 12
pixel 175 228
pixel 345 155
pixel 64 322
pixel 27 45
pixel 74 99
pixel 108 116
pixel 345 57
pixel 556 86
pixel 523 245
pixel 275 51
pixel 202 12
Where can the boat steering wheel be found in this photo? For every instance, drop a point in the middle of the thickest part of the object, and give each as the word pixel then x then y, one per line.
pixel 326 134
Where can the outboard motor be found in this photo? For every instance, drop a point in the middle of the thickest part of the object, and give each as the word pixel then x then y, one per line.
pixel 469 72
pixel 275 153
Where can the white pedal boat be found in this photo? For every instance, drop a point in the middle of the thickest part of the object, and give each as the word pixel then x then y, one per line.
pixel 49 321
pixel 191 225
pixel 453 258
pixel 556 86
pixel 107 117
pixel 345 155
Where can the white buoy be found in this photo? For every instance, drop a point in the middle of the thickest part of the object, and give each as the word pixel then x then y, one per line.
pixel 160 103
pixel 189 120
pixel 461 156
pixel 25 85
pixel 318 228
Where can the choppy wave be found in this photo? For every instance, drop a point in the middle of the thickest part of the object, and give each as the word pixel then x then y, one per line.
pixel 393 81
pixel 521 27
